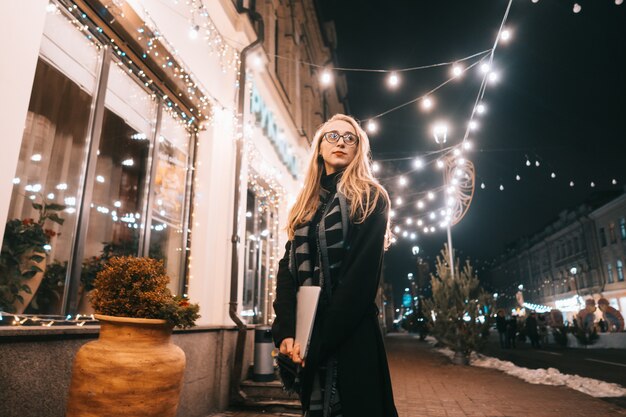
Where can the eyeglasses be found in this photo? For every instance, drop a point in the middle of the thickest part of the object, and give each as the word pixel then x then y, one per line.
pixel 349 139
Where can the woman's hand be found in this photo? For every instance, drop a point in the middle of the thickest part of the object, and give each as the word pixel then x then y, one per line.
pixel 295 355
pixel 290 348
pixel 286 346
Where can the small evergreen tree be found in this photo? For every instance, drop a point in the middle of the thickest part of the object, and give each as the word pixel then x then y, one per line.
pixel 460 309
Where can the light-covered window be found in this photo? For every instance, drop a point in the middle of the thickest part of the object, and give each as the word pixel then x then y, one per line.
pixel 130 197
pixel 50 168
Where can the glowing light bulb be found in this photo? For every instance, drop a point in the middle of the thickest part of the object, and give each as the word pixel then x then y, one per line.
pixel 418 163
pixel 372 126
pixel 409 221
pixel 482 185
pixel 432 228
pixel 399 201
pixel 427 103
pixel 396 229
pixel 194 31
pixel 432 215
pixel 593 184
pixel 485 67
pixel 480 109
pixel 467 145
pixel 426 230
pixel 457 70
pixel 493 77
pixel 326 77
pixel 392 213
pixel 439 163
pixel 51 8
pixel 501 187
pixel 375 167
pixel 473 125
pixel 527 163
pixel 431 195
pixel 577 8
pixel 420 204
pixel 505 35
pixel 571 183
pixel 614 181
pixel 456 152
pixel 517 177
pixel 537 163
pixel 553 175
pixel 393 80
pixel 420 222
pixel 619 2
pixel 413 236
pixel 405 233
pixel 402 181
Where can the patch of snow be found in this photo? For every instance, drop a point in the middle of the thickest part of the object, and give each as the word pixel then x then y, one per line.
pixel 550 376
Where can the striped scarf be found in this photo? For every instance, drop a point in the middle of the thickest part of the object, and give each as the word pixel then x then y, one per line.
pixel 322 268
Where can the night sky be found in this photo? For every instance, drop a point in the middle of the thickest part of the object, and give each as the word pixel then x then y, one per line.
pixel 561 100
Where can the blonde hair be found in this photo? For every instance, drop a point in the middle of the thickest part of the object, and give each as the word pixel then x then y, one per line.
pixel 357 182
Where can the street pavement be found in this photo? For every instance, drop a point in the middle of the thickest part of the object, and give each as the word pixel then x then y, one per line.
pixel 426 384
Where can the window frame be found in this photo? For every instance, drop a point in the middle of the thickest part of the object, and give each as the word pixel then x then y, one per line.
pixel 85 192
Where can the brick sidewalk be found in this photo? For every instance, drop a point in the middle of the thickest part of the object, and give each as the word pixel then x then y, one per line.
pixel 426 384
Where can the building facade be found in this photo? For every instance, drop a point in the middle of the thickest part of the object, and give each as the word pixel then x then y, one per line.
pixel 610 221
pixel 567 262
pixel 153 129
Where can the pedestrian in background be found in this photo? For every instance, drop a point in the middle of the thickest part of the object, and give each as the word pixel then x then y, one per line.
pixel 542 323
pixel 531 330
pixel 511 332
pixel 338 231
pixel 501 328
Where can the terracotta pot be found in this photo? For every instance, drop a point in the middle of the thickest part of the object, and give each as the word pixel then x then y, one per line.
pixel 33 283
pixel 133 369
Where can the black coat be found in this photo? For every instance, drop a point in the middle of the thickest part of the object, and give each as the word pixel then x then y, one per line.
pixel 347 324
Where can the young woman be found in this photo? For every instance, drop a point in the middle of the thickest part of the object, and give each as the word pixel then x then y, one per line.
pixel 338 231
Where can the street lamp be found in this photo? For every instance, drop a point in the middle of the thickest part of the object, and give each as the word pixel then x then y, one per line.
pixel 574 272
pixel 440 132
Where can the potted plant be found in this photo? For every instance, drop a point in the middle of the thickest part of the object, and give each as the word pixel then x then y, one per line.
pixel 23 256
pixel 461 309
pixel 133 369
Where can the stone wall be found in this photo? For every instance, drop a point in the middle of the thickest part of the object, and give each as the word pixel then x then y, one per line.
pixel 36 368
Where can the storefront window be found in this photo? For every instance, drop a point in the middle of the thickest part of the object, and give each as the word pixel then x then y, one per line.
pixel 135 196
pixel 53 152
pixel 260 255
pixel 167 237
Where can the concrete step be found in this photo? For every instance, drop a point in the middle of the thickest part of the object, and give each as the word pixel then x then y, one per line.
pixel 267 391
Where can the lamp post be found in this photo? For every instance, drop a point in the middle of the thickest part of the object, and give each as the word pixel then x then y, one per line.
pixel 440 132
